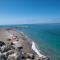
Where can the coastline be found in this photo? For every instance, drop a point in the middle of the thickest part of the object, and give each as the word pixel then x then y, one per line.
pixel 19 39
pixel 33 46
pixel 36 50
pixel 47 50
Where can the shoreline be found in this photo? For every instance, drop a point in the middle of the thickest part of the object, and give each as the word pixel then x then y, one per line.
pixel 36 50
pixel 20 40
pixel 33 47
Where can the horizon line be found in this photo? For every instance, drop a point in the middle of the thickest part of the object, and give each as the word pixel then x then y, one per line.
pixel 29 23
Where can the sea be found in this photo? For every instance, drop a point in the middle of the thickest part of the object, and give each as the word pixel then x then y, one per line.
pixel 46 36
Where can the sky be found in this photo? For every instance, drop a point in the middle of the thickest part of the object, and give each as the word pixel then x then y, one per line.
pixel 29 11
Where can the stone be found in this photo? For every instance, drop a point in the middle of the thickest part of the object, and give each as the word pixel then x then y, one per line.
pixel 28 59
pixel 31 56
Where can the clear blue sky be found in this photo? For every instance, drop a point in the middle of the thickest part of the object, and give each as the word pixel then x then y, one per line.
pixel 29 11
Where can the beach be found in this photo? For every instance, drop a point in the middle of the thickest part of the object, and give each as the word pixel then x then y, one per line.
pixel 19 39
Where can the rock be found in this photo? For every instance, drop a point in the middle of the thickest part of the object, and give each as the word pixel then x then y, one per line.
pixel 2 43
pixel 3 57
pixel 3 48
pixel 24 55
pixel 12 57
pixel 28 59
pixel 31 56
pixel 37 58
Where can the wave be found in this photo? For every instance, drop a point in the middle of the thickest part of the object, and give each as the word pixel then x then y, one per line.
pixel 36 50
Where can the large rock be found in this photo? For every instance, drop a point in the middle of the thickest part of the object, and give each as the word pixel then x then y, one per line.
pixel 28 59
pixel 31 56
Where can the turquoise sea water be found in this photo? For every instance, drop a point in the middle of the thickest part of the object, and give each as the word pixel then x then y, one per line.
pixel 47 37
